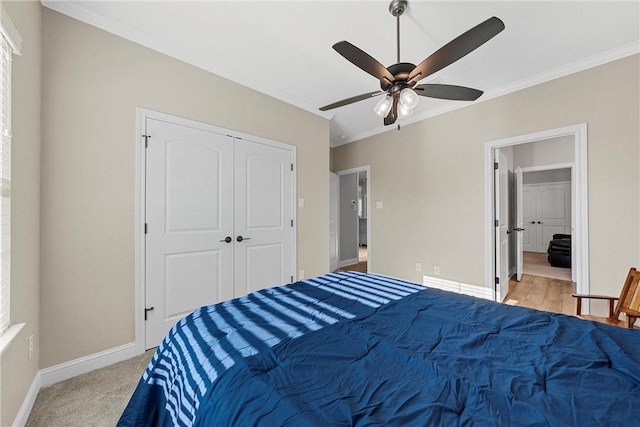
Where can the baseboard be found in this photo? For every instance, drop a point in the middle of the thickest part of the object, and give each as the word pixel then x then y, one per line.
pixel 29 400
pixel 346 262
pixel 64 371
pixel 457 287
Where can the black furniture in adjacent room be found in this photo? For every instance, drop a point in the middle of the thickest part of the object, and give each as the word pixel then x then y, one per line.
pixel 560 251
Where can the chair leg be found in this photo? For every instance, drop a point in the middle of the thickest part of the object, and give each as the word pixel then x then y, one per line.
pixel 611 308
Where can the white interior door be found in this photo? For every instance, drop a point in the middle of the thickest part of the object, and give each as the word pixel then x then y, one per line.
pixel 546 211
pixel 263 238
pixel 528 219
pixel 189 206
pixel 502 222
pixel 519 225
pixel 334 194
pixel 553 212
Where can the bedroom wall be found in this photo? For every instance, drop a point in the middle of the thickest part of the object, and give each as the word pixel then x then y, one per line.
pixel 545 152
pixel 92 83
pixel 430 176
pixel 17 371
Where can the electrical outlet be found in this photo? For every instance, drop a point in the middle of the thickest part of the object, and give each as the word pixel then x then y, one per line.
pixel 418 266
pixel 30 346
pixel 436 270
pixel 301 275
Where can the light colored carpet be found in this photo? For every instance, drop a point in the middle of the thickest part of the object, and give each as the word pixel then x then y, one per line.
pixel 536 264
pixel 96 398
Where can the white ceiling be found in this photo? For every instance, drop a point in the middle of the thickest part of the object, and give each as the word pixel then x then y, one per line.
pixel 284 49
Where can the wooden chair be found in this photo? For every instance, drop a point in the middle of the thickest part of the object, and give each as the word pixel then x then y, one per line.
pixel 628 303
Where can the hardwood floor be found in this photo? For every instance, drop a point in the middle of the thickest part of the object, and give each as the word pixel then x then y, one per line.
pixel 542 293
pixel 361 266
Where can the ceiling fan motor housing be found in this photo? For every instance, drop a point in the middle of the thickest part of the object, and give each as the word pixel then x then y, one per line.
pixel 401 72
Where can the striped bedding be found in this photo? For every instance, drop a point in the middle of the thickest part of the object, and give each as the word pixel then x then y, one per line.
pixel 356 349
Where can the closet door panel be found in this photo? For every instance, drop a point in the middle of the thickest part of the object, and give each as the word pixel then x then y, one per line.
pixel 263 216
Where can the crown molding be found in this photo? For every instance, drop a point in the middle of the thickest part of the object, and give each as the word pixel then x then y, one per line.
pixel 10 32
pixel 556 73
pixel 76 10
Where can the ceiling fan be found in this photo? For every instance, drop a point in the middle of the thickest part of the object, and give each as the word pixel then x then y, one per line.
pixel 398 81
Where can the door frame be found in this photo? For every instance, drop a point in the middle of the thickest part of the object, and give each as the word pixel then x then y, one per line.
pixel 337 202
pixel 581 239
pixel 142 114
pixel 366 169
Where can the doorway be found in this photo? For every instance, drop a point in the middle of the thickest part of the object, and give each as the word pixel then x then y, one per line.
pixel 579 206
pixel 354 226
pixel 546 218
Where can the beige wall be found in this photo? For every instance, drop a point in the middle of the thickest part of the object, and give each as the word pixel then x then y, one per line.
pixel 545 152
pixel 430 176
pixel 92 83
pixel 18 371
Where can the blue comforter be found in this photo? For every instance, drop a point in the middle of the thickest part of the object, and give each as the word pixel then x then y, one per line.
pixel 354 349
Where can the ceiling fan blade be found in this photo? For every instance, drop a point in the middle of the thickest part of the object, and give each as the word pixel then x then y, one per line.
pixel 457 48
pixel 363 60
pixel 351 100
pixel 456 93
pixel 393 113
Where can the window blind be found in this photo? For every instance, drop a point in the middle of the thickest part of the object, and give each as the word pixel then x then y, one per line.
pixel 5 182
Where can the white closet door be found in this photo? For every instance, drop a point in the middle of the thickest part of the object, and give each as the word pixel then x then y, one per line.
pixel 553 212
pixel 263 214
pixel 189 214
pixel 546 211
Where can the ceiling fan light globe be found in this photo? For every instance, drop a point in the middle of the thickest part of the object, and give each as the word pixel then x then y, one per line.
pixel 383 106
pixel 409 98
pixel 403 111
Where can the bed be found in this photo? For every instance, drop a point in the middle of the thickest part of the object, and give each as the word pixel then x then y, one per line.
pixel 357 349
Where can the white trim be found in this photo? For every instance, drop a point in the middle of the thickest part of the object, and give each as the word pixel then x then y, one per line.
pixel 140 194
pixel 82 365
pixel 547 167
pixel 64 371
pixel 139 245
pixel 28 402
pixel 579 132
pixel 9 335
pixel 10 32
pixel 347 262
pixel 556 73
pixel 76 10
pixel 457 287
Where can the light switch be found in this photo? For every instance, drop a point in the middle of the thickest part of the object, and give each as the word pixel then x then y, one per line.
pixel 301 203
pixel 378 205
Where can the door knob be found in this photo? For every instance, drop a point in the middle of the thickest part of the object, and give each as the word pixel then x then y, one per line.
pixel 227 239
pixel 240 238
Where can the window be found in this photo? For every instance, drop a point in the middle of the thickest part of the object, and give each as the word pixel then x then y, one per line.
pixel 10 43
